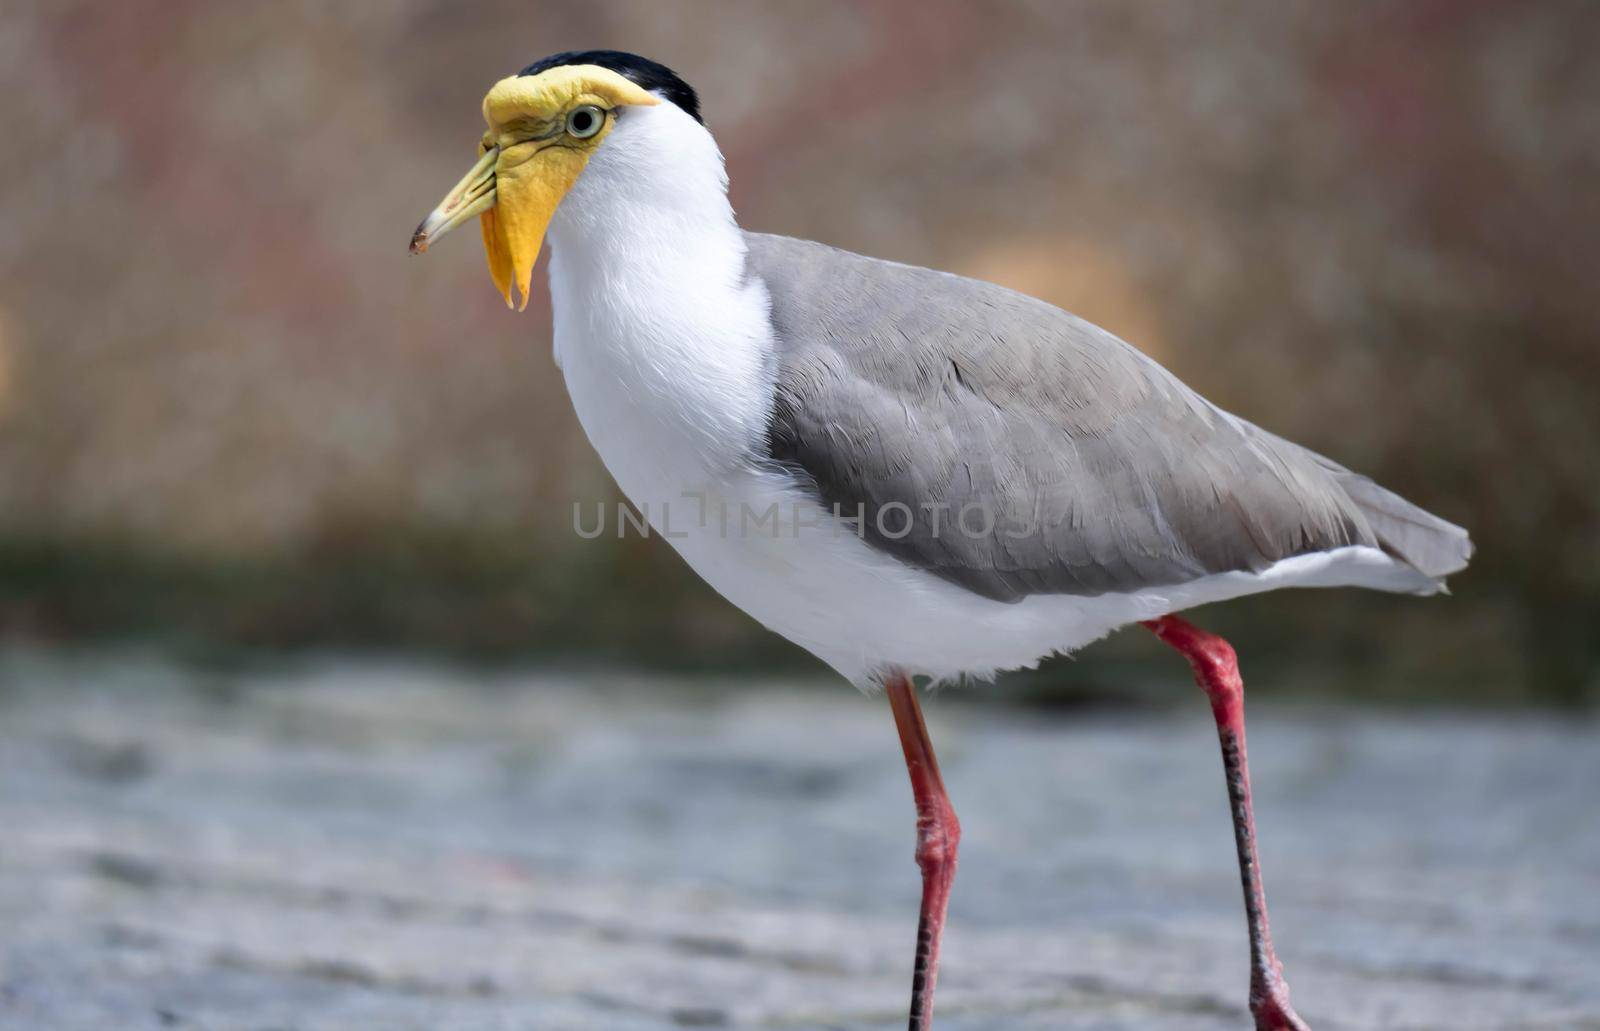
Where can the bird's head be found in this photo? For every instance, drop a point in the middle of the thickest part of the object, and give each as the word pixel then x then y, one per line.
pixel 544 124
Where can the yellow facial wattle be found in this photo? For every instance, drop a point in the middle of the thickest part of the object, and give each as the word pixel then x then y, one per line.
pixel 542 130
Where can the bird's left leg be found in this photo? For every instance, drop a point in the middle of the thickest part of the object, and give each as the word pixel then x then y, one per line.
pixel 1216 670
pixel 938 835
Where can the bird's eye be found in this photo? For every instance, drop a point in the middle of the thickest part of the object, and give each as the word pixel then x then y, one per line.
pixel 585 121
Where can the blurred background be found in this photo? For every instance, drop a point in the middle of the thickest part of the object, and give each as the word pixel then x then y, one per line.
pixel 315 713
pixel 236 418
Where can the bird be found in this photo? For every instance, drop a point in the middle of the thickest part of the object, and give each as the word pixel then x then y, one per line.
pixel 917 477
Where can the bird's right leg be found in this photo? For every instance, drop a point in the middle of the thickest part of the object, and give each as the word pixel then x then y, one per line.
pixel 1216 670
pixel 938 835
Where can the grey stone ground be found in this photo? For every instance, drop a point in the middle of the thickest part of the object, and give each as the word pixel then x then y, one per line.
pixel 357 846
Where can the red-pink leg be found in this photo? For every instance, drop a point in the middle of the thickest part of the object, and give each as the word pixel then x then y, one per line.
pixel 938 835
pixel 1216 670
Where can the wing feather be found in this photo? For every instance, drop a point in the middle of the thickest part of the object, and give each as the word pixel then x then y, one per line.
pixel 1096 469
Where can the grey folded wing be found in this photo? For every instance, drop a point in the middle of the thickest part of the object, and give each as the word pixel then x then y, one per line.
pixel 1013 448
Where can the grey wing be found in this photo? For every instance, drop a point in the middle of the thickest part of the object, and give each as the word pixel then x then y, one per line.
pixel 1016 449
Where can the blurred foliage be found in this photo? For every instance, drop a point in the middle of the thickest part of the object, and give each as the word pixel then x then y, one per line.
pixel 233 413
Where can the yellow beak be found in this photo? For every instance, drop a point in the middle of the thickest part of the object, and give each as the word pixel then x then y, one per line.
pixel 514 192
pixel 473 195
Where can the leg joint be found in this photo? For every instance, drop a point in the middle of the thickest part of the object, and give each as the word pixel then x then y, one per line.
pixel 938 838
pixel 1215 663
pixel 1215 659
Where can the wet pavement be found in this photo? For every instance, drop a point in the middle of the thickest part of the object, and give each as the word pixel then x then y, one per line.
pixel 362 845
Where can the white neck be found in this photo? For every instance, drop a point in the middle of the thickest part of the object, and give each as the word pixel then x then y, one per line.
pixel 664 342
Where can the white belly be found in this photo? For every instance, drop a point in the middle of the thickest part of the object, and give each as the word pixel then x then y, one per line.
pixel 760 540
